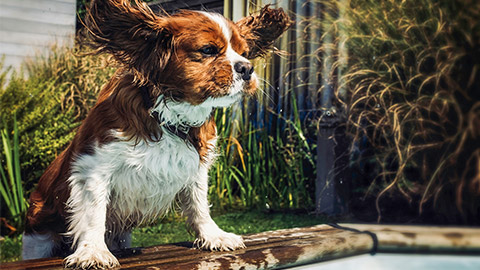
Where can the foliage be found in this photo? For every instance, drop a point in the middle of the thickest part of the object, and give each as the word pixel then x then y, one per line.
pixel 11 249
pixel 50 96
pixel 11 188
pixel 413 81
pixel 258 167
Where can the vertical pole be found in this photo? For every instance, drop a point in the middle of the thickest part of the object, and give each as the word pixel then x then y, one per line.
pixel 325 192
pixel 330 143
pixel 238 10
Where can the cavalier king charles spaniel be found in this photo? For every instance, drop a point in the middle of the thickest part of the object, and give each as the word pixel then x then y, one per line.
pixel 150 138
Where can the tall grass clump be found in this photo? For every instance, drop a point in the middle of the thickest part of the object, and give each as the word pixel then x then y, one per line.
pixel 50 96
pixel 260 167
pixel 413 105
pixel 11 186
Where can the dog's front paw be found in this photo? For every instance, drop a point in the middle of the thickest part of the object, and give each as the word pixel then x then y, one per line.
pixel 91 257
pixel 213 238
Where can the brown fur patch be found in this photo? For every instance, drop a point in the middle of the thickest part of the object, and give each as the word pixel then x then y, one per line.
pixel 192 76
pixel 263 29
pixel 200 136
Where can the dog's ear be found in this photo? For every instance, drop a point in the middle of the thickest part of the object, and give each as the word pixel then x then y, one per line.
pixel 262 29
pixel 132 33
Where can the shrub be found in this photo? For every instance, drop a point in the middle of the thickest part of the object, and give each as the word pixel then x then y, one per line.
pixel 413 77
pixel 11 249
pixel 50 96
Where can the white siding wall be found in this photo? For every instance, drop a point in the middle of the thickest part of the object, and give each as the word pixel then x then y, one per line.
pixel 28 27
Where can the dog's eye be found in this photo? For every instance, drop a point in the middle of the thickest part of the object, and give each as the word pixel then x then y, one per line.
pixel 209 50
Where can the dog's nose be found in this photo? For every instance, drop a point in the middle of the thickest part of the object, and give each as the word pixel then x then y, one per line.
pixel 245 69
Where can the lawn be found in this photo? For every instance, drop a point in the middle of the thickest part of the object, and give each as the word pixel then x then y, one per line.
pixel 172 229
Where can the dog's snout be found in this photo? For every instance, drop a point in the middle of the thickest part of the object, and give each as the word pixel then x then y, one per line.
pixel 245 69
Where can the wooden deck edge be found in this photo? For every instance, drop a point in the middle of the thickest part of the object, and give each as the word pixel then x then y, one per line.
pixel 423 239
pixel 292 247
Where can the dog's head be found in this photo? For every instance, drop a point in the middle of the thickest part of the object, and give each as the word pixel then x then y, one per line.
pixel 190 56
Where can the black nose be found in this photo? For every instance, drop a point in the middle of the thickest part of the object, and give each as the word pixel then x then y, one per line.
pixel 245 69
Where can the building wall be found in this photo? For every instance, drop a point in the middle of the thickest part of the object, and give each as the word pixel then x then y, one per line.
pixel 28 27
pixel 172 6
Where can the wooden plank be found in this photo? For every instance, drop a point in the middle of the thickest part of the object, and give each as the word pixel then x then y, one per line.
pixel 13 61
pixel 65 7
pixel 28 27
pixel 423 239
pixel 274 249
pixel 22 50
pixel 25 26
pixel 291 247
pixel 34 15
pixel 33 39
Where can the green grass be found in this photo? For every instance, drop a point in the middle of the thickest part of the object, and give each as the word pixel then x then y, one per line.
pixel 237 222
pixel 173 229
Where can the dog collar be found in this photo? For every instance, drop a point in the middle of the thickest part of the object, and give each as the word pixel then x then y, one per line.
pixel 179 131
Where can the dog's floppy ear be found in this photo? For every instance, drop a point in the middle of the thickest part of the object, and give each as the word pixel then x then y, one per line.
pixel 262 29
pixel 132 33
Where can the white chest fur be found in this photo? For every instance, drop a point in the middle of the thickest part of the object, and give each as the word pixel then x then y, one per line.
pixel 141 180
pixel 150 176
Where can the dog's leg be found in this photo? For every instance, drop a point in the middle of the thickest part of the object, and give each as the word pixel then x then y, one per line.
pixel 88 206
pixel 36 246
pixel 194 203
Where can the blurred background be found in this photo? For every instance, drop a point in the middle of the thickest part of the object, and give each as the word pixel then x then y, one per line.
pixel 368 111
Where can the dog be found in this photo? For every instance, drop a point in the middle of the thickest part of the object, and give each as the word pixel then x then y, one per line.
pixel 150 139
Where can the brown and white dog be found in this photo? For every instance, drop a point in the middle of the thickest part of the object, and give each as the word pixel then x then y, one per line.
pixel 150 138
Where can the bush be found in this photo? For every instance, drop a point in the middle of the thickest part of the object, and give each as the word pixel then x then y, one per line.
pixel 413 77
pixel 11 249
pixel 50 96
